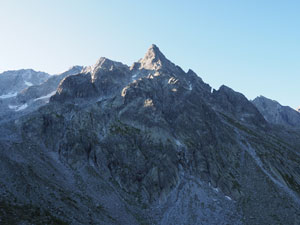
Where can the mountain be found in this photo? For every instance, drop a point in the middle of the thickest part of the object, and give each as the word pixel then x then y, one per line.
pixel 13 82
pixel 147 144
pixel 30 90
pixel 49 86
pixel 275 113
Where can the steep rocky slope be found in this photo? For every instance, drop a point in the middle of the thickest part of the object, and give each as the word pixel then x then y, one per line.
pixel 147 144
pixel 275 113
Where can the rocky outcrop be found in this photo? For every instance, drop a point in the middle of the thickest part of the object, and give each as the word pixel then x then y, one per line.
pixel 275 113
pixel 149 144
pixel 103 79
pixel 237 106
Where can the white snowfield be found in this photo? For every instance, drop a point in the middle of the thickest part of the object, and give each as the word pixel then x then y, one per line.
pixel 18 107
pixel 227 197
pixel 45 96
pixel 9 95
pixel 28 83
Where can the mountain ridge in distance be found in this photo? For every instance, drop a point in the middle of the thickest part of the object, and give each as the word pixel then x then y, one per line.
pixel 27 90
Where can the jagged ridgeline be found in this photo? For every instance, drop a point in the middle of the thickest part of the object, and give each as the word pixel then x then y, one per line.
pixel 147 144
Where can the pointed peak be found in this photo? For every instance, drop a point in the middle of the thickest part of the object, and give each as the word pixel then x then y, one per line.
pixel 155 49
pixel 154 53
pixel 103 60
pixel 153 46
pixel 154 59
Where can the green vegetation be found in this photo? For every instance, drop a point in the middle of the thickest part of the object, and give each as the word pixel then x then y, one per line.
pixel 123 129
pixel 140 219
pixel 236 185
pixel 239 126
pixel 289 179
pixel 12 214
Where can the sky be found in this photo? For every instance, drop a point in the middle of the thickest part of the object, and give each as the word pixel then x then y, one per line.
pixel 252 46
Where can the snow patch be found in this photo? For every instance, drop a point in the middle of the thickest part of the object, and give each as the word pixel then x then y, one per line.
pixel 28 83
pixel 148 103
pixel 216 189
pixel 172 80
pixel 12 107
pixel 9 95
pixel 178 143
pixel 227 197
pixel 45 96
pixel 190 87
pixel 18 107
pixel 134 76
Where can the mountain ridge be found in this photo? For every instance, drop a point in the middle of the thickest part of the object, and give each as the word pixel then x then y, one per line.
pixel 149 144
pixel 28 96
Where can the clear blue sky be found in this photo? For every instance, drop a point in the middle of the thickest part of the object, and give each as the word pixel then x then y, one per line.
pixel 252 46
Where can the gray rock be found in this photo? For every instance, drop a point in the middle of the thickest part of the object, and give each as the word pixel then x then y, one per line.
pixel 29 98
pixel 147 144
pixel 15 81
pixel 275 113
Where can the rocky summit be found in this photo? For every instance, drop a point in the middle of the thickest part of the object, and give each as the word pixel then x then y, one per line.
pixel 147 144
pixel 275 113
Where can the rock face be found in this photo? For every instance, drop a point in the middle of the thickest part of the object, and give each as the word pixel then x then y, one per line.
pixel 147 144
pixel 47 87
pixel 275 113
pixel 237 106
pixel 103 79
pixel 13 82
pixel 31 90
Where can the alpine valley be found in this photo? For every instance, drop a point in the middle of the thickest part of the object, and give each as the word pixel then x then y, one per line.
pixel 146 144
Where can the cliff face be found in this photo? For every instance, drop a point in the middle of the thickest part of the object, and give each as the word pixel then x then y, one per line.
pixel 148 144
pixel 275 113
